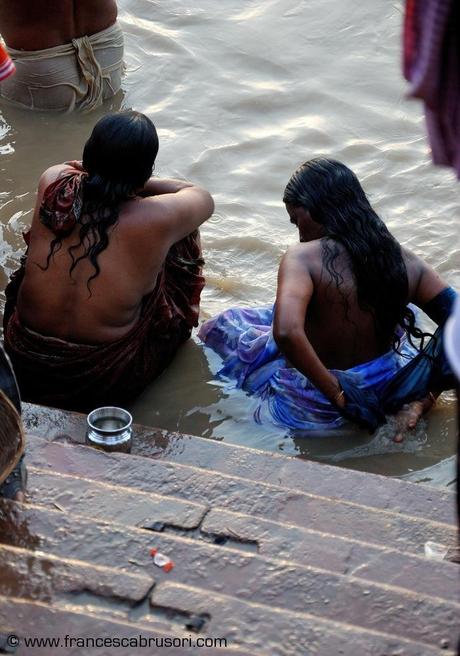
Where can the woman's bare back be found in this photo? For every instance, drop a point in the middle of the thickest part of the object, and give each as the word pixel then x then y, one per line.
pixel 54 303
pixel 341 333
pixel 40 24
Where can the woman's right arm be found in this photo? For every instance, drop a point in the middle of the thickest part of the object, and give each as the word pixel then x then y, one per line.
pixel 180 207
pixel 295 289
pixel 160 186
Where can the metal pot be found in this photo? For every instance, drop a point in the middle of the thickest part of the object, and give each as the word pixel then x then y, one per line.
pixel 109 428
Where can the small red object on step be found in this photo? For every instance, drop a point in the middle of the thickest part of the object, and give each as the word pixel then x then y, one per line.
pixel 161 560
pixel 7 66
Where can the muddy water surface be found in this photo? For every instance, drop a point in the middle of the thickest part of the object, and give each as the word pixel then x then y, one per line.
pixel 242 92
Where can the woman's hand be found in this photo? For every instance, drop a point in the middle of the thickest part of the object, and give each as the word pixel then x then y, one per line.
pixel 75 164
pixel 359 405
pixel 410 414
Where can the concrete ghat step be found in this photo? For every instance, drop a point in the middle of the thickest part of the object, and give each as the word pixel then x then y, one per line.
pixel 271 539
pixel 284 632
pixel 246 576
pixel 52 580
pixel 105 501
pixel 36 619
pixel 322 514
pixel 324 480
pixel 45 577
pixel 336 554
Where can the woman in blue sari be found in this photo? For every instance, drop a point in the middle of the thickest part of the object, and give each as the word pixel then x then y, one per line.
pixel 341 330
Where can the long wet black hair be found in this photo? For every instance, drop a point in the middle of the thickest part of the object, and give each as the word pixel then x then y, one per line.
pixel 118 157
pixel 333 196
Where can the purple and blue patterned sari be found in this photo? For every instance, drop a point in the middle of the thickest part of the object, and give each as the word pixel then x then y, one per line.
pixel 243 337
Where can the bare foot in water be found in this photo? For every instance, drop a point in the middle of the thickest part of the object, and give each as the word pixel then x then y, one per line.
pixel 409 415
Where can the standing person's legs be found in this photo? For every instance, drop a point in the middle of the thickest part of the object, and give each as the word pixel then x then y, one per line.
pixel 12 467
pixel 13 475
pixel 452 348
pixel 458 464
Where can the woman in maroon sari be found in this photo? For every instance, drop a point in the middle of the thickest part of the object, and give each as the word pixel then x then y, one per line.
pixel 110 285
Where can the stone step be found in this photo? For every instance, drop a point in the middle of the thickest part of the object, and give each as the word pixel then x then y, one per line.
pixel 246 576
pixel 49 579
pixel 286 632
pixel 105 501
pixel 45 577
pixel 336 554
pixel 417 500
pixel 76 495
pixel 346 519
pixel 27 619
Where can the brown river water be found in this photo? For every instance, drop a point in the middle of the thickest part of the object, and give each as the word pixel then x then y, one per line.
pixel 243 91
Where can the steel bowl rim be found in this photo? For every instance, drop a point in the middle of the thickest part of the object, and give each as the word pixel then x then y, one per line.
pixel 110 431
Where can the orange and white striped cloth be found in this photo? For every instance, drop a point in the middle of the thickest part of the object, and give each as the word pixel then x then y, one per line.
pixel 7 66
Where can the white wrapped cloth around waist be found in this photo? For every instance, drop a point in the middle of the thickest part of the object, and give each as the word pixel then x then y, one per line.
pixel 80 74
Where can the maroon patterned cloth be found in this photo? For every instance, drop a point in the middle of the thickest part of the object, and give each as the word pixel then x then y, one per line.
pixel 62 203
pixel 76 376
pixel 431 63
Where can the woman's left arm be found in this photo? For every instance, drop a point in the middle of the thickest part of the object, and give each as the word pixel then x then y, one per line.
pixel 433 295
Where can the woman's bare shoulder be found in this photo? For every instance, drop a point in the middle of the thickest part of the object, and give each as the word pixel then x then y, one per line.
pixel 304 254
pixel 308 250
pixel 48 177
pixel 53 172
